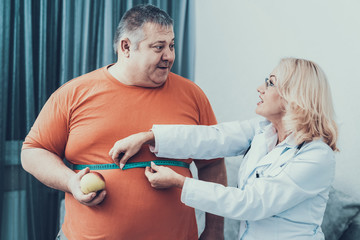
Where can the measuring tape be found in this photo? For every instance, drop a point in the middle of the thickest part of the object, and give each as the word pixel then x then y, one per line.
pixel 131 165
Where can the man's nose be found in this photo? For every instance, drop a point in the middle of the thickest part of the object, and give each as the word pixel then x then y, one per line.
pixel 169 54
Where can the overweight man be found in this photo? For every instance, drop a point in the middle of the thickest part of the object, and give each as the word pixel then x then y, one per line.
pixel 84 117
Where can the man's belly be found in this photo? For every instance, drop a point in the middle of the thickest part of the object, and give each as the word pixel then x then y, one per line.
pixel 132 210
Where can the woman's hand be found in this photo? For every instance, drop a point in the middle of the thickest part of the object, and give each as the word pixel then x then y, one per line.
pixel 163 177
pixel 129 146
pixel 90 199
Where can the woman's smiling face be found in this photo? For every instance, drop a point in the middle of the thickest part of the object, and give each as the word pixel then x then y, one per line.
pixel 271 105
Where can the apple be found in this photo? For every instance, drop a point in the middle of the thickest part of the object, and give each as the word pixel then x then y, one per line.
pixel 92 182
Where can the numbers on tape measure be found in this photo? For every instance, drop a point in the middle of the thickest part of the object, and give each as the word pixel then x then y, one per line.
pixel 131 165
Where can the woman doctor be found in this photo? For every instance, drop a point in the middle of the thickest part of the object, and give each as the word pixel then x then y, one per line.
pixel 285 176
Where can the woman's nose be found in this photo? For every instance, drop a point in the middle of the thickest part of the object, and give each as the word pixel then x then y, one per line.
pixel 261 89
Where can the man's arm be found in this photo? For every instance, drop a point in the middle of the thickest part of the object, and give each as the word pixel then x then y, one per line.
pixel 213 171
pixel 49 169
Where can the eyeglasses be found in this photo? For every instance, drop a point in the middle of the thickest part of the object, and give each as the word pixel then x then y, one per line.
pixel 270 81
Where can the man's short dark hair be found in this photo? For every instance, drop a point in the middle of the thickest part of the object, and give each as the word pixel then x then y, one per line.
pixel 131 24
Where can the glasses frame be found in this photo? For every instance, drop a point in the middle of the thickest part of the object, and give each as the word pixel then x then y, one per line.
pixel 269 82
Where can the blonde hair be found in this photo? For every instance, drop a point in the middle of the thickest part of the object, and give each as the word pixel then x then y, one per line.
pixel 309 112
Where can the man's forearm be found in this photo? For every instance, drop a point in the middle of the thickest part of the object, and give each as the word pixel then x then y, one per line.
pixel 213 172
pixel 47 167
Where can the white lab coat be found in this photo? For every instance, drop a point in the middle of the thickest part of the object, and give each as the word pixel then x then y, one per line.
pixel 282 192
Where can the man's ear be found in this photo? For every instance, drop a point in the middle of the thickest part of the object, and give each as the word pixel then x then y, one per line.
pixel 125 47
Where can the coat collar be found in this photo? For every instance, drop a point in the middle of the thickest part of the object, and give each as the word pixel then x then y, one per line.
pixel 270 135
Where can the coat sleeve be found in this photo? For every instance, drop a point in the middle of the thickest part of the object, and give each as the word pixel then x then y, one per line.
pixel 203 142
pixel 305 176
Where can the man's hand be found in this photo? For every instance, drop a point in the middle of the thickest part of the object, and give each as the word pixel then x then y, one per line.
pixel 129 146
pixel 49 169
pixel 163 177
pixel 90 199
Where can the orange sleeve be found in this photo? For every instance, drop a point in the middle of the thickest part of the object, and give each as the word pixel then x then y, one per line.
pixel 207 117
pixel 50 130
pixel 206 113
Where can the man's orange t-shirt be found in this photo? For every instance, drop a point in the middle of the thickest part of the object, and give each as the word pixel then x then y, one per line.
pixel 84 118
